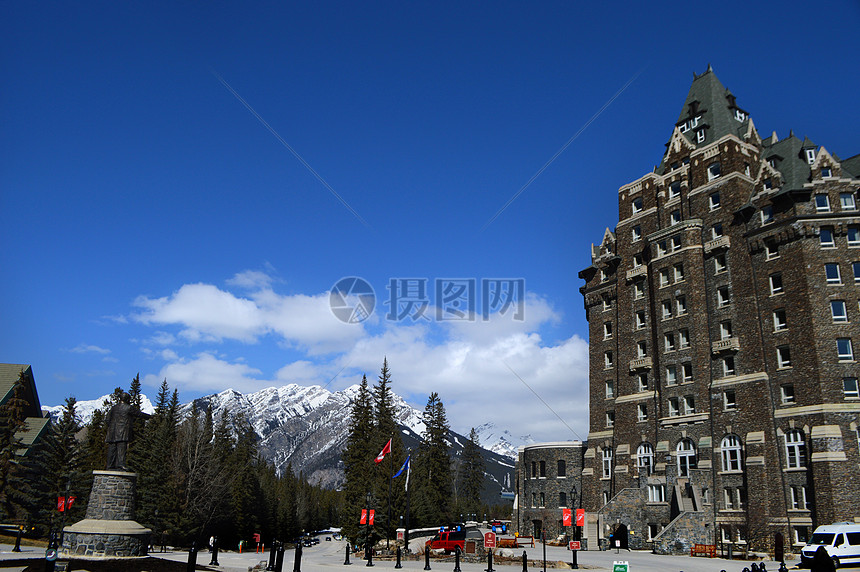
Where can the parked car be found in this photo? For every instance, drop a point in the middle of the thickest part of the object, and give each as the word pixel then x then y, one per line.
pixel 841 541
pixel 448 540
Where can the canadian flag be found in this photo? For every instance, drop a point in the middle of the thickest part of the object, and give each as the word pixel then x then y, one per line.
pixel 385 451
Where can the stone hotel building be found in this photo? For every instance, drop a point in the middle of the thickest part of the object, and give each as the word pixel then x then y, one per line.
pixel 724 324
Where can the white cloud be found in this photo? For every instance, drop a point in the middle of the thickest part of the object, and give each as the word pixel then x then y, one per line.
pixel 207 373
pixel 88 348
pixel 251 280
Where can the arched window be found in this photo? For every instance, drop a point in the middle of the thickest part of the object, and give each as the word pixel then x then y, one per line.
pixel 645 459
pixel 795 449
pixel 607 462
pixel 731 452
pixel 686 457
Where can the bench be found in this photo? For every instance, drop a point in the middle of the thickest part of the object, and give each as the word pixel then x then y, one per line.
pixel 709 550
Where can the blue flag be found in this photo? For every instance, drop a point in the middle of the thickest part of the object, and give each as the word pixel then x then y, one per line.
pixel 406 468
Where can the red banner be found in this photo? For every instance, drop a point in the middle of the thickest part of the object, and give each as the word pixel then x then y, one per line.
pixel 372 512
pixel 69 502
pixel 565 517
pixel 363 516
pixel 61 504
pixel 580 517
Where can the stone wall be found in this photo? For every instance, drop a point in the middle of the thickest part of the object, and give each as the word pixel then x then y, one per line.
pixel 682 533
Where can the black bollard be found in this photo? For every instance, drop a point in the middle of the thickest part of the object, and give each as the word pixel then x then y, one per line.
pixel 427 558
pixel 192 558
pixel 490 560
pixel 51 554
pixel 761 568
pixel 745 569
pixel 297 563
pixel 369 549
pixel 18 540
pixel 457 559
pixel 398 565
pixel 525 562
pixel 214 561
pixel 274 550
pixel 782 567
pixel 754 567
pixel 346 561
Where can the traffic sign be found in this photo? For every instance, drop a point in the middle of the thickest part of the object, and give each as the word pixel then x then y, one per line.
pixel 489 540
pixel 575 545
pixel 621 566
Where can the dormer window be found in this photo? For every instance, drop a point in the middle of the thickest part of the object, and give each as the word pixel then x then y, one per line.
pixel 740 115
pixel 768 184
pixel 700 136
pixel 713 171
pixel 826 173
pixel 810 156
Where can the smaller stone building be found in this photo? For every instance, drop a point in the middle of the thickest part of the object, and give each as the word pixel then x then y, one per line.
pixel 549 480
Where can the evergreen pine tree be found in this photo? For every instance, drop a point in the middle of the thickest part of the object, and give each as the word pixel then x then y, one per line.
pixel 357 459
pixel 12 420
pixel 471 475
pixel 434 505
pixel 389 501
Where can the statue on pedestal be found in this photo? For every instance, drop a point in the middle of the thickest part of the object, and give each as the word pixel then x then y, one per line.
pixel 119 421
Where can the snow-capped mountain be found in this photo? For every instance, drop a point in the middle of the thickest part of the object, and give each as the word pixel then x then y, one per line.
pixel 85 409
pixel 305 429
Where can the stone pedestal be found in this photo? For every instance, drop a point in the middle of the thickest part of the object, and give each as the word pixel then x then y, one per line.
pixel 109 528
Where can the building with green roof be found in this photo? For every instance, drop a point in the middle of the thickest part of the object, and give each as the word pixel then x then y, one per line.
pixel 36 424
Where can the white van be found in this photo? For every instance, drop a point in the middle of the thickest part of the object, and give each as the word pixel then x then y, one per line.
pixel 841 540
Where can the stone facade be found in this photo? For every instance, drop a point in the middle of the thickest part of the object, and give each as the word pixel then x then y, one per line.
pixel 109 529
pixel 723 330
pixel 549 480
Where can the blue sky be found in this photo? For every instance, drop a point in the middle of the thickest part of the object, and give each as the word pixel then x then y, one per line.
pixel 153 224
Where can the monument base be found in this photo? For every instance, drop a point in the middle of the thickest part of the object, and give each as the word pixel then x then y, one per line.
pixel 109 529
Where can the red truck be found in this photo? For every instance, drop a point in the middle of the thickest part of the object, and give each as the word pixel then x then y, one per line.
pixel 448 540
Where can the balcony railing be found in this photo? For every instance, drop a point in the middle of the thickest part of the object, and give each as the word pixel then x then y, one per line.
pixel 718 243
pixel 638 271
pixel 726 345
pixel 640 363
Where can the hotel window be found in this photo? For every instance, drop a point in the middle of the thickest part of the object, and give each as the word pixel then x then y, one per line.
pixel 679 272
pixel 607 330
pixel 846 201
pixel 853 236
pixel 642 382
pixel 810 156
pixel 667 309
pixel 719 263
pixel 642 412
pixel 723 298
pixel 542 500
pixel 728 365
pixel 675 217
pixel 604 275
pixel 610 389
pixel 561 469
pixel 822 203
pixel 671 375
pixel 825 238
pixel 850 389
pixel 686 457
pixel 645 459
pixel 798 498
pixel 637 260
pixel 714 201
pixel 657 493
pixel 717 230
pixel 542 473
pixel 783 357
pixel 768 184
pixel 610 418
pixel 686 372
pixel 683 339
pixel 689 405
pixel 779 323
pixel 675 190
pixel 771 250
pixel 661 248
pixel 637 233
pixel 607 360
pixel 637 205
pixel 607 463
pixel 731 453
pixel 826 173
pixel 729 499
pixel 682 305
pixel 534 500
pixel 607 304
pixel 674 408
pixel 766 214
pixel 534 471
pixel 740 115
pixel 713 171
pixel 855 266
pixel 562 499
pixel 801 535
pixel 669 342
pixel 641 349
pixel 838 311
pixel 776 284
pixel 640 319
pixel 786 393
pixel 844 349
pixel 730 400
pixel 676 242
pixel 795 449
pixel 638 290
pixel 725 330
pixel 664 277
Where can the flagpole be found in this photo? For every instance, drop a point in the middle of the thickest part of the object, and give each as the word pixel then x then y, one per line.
pixel 390 474
pixel 408 468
